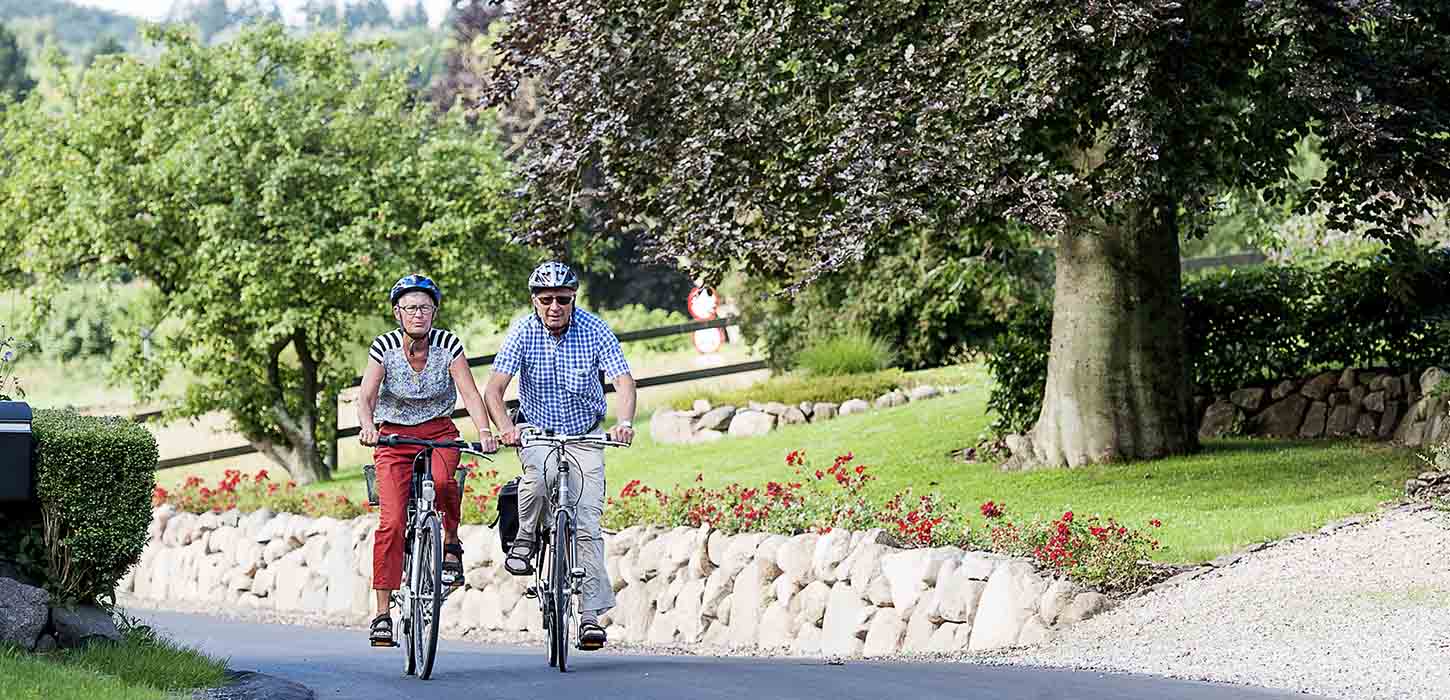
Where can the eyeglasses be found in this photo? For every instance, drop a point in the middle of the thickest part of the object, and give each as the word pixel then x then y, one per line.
pixel 418 309
pixel 549 301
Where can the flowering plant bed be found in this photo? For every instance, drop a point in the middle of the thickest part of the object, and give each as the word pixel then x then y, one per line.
pixel 249 492
pixel 1091 550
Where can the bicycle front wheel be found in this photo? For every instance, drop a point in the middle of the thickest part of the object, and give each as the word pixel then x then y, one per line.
pixel 545 593
pixel 563 585
pixel 428 596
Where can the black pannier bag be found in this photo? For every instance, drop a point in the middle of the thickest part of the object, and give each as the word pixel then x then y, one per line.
pixel 507 521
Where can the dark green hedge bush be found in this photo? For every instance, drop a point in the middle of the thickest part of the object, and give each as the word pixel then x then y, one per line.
pixel 94 479
pixel 1260 324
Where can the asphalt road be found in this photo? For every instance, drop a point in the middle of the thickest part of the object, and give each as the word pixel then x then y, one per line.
pixel 339 664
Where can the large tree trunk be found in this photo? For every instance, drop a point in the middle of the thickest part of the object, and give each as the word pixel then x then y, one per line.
pixel 1117 388
pixel 300 455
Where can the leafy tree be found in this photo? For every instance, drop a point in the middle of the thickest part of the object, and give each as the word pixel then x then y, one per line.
pixel 367 13
pixel 210 16
pixel 795 136
pixel 76 26
pixel 321 14
pixel 107 46
pixel 15 80
pixel 414 16
pixel 271 193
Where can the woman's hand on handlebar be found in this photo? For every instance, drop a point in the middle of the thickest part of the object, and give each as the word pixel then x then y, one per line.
pixel 489 443
pixel 368 435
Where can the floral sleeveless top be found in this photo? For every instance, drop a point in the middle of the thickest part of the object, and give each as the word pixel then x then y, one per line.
pixel 407 397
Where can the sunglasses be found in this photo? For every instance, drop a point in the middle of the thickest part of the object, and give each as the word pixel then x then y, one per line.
pixel 549 301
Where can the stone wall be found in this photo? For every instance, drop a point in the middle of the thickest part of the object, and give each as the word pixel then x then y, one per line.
pixel 840 593
pixel 1372 403
pixel 707 423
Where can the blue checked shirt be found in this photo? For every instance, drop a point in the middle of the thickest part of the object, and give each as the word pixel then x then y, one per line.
pixel 559 386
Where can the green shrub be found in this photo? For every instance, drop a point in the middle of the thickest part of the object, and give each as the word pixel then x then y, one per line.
pixel 95 477
pixel 1018 363
pixel 79 323
pixel 635 317
pixel 792 389
pixel 849 353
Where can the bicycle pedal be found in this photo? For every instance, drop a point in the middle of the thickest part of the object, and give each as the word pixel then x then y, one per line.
pixel 384 644
pixel 531 592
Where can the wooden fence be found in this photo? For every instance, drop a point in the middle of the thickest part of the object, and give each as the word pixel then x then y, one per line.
pixel 626 337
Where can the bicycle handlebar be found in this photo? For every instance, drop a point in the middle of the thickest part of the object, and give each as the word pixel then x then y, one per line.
pixel 530 436
pixel 460 445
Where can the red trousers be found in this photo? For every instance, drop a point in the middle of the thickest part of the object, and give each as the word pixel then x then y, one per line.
pixel 394 467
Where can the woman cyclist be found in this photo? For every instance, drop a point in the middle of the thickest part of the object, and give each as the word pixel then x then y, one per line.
pixel 413 379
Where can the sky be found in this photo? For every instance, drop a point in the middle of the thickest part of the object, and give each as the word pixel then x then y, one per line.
pixel 156 9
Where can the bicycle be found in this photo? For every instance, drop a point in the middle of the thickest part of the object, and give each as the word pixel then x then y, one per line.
pixel 419 600
pixel 556 578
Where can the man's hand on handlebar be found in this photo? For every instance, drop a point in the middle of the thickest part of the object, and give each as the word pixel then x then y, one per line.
pixel 622 433
pixel 368 435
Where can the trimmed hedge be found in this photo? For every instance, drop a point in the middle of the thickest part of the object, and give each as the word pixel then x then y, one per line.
pixel 1260 324
pixel 94 479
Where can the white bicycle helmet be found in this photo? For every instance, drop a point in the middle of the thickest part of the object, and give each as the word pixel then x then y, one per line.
pixel 553 274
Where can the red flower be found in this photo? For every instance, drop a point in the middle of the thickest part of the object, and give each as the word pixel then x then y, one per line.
pixel 1155 522
pixel 861 469
pixel 819 474
pixel 1067 517
pixel 991 510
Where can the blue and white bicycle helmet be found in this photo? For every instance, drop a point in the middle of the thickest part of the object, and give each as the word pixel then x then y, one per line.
pixel 416 283
pixel 553 274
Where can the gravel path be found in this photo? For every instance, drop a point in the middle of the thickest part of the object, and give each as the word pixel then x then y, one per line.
pixel 1362 613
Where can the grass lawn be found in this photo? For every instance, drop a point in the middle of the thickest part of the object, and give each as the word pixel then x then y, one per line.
pixel 142 667
pixel 1234 493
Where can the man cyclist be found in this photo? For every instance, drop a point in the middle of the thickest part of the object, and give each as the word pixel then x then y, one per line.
pixel 558 352
pixel 413 378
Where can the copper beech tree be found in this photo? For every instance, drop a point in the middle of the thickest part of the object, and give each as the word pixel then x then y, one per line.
pixel 796 136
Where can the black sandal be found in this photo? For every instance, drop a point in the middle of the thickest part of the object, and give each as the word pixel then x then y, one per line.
pixel 520 559
pixel 591 636
pixel 380 633
pixel 453 569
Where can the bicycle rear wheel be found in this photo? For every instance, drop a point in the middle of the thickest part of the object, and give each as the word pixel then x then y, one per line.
pixel 428 596
pixel 563 585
